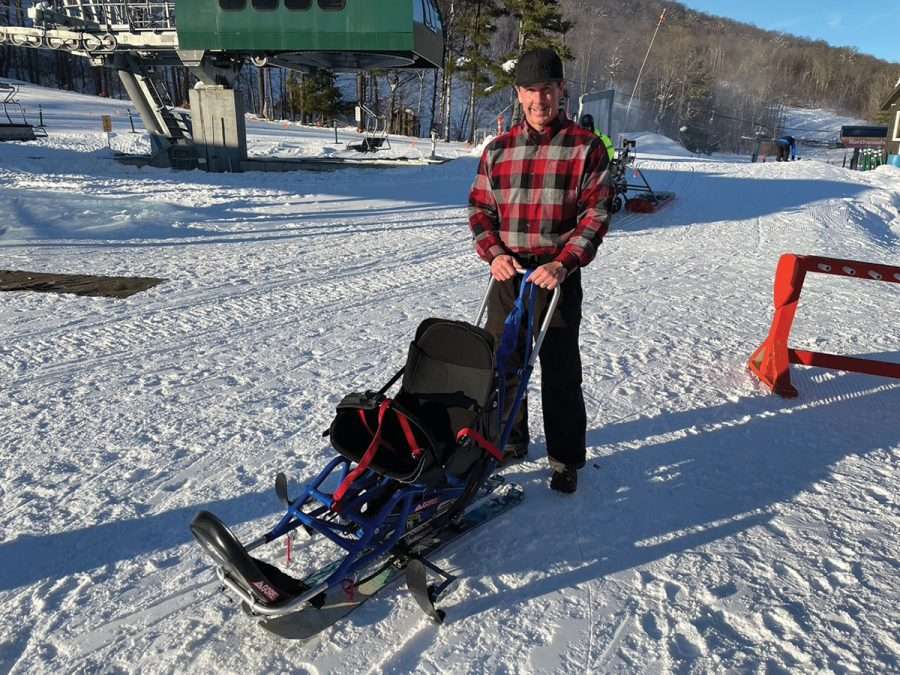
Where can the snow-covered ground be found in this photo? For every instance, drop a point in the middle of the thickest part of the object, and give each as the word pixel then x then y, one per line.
pixel 817 124
pixel 716 528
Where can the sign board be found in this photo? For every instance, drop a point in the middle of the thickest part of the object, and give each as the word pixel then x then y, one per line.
pixel 863 136
pixel 107 123
pixel 863 132
pixel 863 142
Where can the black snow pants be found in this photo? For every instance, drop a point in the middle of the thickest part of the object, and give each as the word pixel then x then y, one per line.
pixel 562 400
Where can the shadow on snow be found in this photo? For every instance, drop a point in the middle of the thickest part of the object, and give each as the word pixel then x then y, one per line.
pixel 730 467
pixel 731 464
pixel 122 214
pixel 28 559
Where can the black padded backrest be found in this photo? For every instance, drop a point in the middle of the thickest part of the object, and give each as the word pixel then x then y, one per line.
pixel 450 360
pixel 449 375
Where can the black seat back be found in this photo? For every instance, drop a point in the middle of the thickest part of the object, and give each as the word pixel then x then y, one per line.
pixel 450 366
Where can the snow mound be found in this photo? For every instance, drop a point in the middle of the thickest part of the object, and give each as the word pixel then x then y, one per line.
pixel 817 124
pixel 478 149
pixel 656 144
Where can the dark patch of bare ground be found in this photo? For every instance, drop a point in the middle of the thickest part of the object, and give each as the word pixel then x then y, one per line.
pixel 78 284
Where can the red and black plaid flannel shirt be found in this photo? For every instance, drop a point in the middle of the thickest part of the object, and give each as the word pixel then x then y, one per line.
pixel 541 194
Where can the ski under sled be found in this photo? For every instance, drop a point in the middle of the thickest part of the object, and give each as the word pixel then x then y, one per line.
pixel 414 472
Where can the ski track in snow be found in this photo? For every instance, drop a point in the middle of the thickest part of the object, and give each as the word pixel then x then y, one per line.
pixel 716 528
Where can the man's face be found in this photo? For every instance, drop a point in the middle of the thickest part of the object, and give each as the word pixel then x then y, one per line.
pixel 540 102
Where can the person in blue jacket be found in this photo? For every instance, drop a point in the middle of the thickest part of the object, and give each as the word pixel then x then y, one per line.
pixel 787 148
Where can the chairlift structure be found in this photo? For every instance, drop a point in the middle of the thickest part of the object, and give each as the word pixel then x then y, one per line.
pixel 214 38
pixel 331 34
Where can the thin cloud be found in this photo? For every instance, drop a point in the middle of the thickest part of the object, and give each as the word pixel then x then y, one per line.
pixel 787 23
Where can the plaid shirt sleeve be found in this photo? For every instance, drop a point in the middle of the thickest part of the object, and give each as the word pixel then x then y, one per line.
pixel 593 214
pixel 484 217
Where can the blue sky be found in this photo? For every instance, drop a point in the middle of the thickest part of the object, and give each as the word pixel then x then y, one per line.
pixel 872 26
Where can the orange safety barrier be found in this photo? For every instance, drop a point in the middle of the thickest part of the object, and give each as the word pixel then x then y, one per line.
pixel 771 362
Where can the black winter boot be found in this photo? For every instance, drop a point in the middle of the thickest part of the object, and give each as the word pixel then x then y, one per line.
pixel 565 481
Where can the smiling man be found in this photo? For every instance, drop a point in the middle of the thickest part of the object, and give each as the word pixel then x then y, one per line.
pixel 538 202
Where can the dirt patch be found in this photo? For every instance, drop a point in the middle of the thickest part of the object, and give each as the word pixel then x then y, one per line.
pixel 78 284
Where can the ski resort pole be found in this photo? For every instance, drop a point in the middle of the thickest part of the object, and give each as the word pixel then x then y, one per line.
pixel 637 81
pixel 106 122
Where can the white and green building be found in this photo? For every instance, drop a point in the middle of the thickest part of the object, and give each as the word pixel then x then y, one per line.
pixel 892 107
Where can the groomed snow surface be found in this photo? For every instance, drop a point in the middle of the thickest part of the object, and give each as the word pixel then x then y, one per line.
pixel 716 528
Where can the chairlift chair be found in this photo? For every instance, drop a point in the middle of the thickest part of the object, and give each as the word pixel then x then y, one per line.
pixel 12 129
pixel 375 136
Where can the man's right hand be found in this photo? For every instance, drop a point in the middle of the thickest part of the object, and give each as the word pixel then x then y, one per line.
pixel 504 267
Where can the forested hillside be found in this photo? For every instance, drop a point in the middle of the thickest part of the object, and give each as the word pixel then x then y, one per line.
pixel 708 81
pixel 610 36
pixel 709 71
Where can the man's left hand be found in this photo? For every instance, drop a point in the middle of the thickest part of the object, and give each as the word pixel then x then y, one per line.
pixel 549 275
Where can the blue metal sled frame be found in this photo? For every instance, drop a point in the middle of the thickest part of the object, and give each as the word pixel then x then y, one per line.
pixel 369 538
pixel 358 536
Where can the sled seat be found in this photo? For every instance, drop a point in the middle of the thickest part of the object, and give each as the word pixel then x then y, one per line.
pixel 447 392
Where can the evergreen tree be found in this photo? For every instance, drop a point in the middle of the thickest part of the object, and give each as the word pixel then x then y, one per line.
pixel 316 95
pixel 476 64
pixel 540 24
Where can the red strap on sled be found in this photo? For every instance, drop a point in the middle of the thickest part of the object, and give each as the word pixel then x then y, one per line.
pixel 480 441
pixel 365 460
pixel 414 447
pixel 410 436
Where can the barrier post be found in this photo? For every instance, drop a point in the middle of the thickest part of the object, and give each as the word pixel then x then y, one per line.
pixel 771 362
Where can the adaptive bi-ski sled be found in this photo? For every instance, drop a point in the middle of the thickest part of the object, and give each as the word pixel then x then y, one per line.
pixel 423 476
pixel 647 200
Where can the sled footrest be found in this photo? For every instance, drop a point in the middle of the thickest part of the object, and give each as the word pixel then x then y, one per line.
pixel 265 582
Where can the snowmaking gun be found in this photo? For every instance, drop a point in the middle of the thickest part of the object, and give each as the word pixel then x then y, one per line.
pixel 646 199
pixel 414 472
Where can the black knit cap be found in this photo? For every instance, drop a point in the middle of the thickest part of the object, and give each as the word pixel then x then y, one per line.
pixel 538 65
